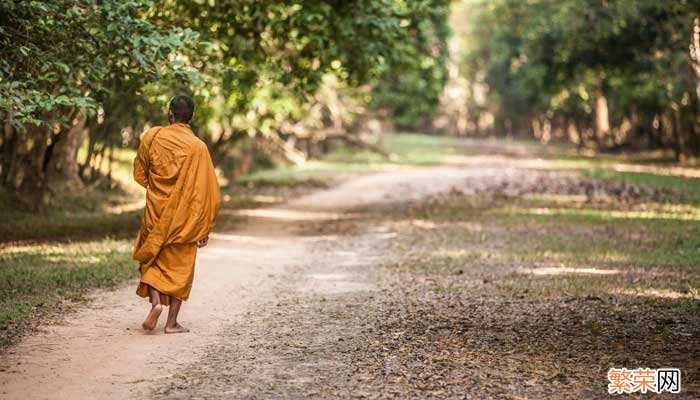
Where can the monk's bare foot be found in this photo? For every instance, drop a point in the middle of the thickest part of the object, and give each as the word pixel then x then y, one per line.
pixel 152 319
pixel 176 329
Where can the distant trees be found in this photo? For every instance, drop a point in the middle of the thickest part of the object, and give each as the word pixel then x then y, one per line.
pixel 277 77
pixel 293 74
pixel 604 73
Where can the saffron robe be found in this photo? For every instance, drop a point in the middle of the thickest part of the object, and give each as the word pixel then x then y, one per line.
pixel 182 201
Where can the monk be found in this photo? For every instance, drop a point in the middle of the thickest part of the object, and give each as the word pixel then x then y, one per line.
pixel 182 201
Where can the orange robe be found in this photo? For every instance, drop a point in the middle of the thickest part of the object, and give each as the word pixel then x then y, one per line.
pixel 182 201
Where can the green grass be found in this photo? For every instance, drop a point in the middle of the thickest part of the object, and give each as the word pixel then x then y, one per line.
pixel 405 149
pixel 649 245
pixel 92 213
pixel 298 174
pixel 62 225
pixel 691 186
pixel 70 247
pixel 34 278
pixel 585 249
pixel 650 234
pixel 637 244
pixel 78 242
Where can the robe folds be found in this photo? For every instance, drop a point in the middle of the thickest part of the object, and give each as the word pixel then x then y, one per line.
pixel 182 201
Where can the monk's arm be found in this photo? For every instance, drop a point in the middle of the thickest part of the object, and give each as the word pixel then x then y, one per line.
pixel 141 164
pixel 214 187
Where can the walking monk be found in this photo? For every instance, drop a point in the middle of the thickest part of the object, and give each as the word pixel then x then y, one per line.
pixel 182 200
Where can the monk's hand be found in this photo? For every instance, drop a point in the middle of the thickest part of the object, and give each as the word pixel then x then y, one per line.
pixel 203 242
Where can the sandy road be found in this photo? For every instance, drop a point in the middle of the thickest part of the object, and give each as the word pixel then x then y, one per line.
pixel 101 351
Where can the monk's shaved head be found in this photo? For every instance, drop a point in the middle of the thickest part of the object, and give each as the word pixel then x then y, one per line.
pixel 182 109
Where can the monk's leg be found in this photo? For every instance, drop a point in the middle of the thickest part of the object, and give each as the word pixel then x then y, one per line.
pixel 153 295
pixel 151 320
pixel 172 326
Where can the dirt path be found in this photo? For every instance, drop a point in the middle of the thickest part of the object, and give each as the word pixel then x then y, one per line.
pixel 357 292
pixel 101 352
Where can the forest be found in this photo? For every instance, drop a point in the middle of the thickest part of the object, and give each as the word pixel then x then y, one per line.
pixel 273 80
pixel 608 75
pixel 281 82
pixel 441 199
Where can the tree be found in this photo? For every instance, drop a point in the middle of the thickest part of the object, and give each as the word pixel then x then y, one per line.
pixel 259 71
pixel 265 64
pixel 608 72
pixel 49 91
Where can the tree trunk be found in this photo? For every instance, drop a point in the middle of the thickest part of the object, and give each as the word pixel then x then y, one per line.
pixel 245 163
pixel 602 120
pixel 678 136
pixel 92 129
pixel 63 170
pixel 695 56
pixel 573 133
pixel 9 151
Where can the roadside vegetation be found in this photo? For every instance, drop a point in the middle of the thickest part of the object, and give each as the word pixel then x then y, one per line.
pixel 599 217
pixel 84 241
pixel 567 276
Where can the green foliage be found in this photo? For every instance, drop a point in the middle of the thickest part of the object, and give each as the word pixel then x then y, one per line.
pixel 406 149
pixel 61 55
pixel 66 63
pixel 410 85
pixel 551 61
pixel 264 64
pixel 275 70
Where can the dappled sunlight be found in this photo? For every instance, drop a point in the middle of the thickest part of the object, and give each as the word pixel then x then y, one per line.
pixel 499 159
pixel 288 214
pixel 126 207
pixel 473 226
pixel 676 212
pixel 427 224
pixel 267 199
pixel 568 270
pixel 75 259
pixel 558 198
pixel 491 160
pixel 330 276
pixel 466 255
pixel 608 256
pixel 264 238
pixel 319 170
pixel 452 253
pixel 32 248
pixel 424 224
pixel 69 250
pixel 584 163
pixel 657 293
pixel 229 237
pixel 395 199
pixel 56 257
pixel 677 171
